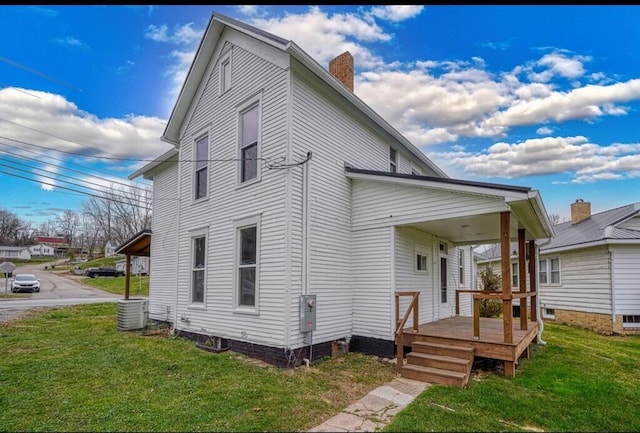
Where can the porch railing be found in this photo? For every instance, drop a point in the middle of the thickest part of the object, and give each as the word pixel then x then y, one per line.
pixel 507 319
pixel 413 306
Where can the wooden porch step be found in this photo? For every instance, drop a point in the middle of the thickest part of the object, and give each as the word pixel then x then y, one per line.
pixel 434 375
pixel 438 361
pixel 461 352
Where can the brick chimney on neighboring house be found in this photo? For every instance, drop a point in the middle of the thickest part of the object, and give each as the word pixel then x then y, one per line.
pixel 341 67
pixel 580 210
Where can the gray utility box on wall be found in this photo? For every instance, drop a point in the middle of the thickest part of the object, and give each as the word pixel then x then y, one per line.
pixel 307 313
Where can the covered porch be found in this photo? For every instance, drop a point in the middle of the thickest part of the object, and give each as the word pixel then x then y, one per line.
pixel 463 213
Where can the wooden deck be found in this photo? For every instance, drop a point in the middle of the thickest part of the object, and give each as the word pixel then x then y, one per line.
pixel 458 331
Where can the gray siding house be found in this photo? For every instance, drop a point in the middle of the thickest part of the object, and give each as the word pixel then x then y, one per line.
pixel 589 272
pixel 288 213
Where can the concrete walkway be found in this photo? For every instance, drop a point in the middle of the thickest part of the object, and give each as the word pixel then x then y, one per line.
pixel 375 409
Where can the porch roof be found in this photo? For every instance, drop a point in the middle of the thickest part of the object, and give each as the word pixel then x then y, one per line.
pixel 138 245
pixel 464 212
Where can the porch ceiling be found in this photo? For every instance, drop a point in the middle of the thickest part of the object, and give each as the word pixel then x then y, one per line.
pixel 474 229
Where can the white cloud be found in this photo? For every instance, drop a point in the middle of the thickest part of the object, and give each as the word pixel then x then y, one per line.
pixel 72 42
pixel 557 64
pixel 248 10
pixel 396 13
pixel 547 156
pixel 544 130
pixel 69 129
pixel 182 35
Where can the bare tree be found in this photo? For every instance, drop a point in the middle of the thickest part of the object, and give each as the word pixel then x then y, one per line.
pixel 121 212
pixel 554 218
pixel 68 224
pixel 9 227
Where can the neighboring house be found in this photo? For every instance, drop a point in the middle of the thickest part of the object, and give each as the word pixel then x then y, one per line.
pixel 589 273
pixel 41 250
pixel 289 214
pixel 14 253
pixel 109 249
pixel 139 265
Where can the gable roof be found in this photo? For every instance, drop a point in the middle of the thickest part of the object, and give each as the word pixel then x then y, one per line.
pixel 597 229
pixel 207 46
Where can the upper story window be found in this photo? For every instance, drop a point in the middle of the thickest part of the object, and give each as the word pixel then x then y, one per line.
pixel 225 74
pixel 515 282
pixel 201 167
pixel 249 144
pixel 393 160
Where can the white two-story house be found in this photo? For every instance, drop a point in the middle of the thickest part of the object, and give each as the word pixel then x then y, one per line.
pixel 288 213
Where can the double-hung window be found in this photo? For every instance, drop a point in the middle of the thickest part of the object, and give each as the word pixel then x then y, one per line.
pixel 198 267
pixel 249 143
pixel 515 282
pixel 201 167
pixel 393 160
pixel 248 252
pixel 549 272
pixel 421 260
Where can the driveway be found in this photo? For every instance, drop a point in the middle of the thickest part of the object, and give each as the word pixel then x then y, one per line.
pixel 55 291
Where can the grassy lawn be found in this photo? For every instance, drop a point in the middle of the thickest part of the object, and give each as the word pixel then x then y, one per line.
pixel 579 381
pixel 138 285
pixel 69 369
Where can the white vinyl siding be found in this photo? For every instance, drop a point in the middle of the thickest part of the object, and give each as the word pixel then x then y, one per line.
pixel 371 282
pixel 626 268
pixel 407 241
pixel 632 223
pixel 372 202
pixel 252 75
pixel 585 282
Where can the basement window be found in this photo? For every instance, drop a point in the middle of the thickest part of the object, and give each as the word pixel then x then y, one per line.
pixel 549 313
pixel 631 321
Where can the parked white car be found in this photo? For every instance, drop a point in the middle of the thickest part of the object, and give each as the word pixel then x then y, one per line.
pixel 25 283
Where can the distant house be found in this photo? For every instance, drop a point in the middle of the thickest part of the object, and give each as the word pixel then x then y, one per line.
pixel 13 253
pixel 109 249
pixel 589 272
pixel 139 265
pixel 41 250
pixel 289 217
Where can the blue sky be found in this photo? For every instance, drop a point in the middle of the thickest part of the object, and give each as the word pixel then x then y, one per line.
pixel 541 96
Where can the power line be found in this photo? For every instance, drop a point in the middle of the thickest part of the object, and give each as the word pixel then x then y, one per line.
pixel 41 74
pixel 66 168
pixel 76 191
pixel 58 180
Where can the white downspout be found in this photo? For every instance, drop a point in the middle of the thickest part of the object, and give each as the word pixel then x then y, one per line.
pixel 539 339
pixel 177 274
pixel 613 290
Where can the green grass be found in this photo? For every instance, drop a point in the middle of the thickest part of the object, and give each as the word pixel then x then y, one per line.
pixel 69 369
pixel 138 285
pixel 580 381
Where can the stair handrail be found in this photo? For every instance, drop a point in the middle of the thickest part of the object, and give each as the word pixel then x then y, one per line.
pixel 413 306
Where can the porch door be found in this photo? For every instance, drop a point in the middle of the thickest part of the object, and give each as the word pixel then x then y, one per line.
pixel 444 310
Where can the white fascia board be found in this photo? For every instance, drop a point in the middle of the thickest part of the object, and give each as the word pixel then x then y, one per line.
pixel 508 196
pixel 589 245
pixel 153 164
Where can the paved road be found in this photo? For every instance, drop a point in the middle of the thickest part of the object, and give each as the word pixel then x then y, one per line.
pixel 55 290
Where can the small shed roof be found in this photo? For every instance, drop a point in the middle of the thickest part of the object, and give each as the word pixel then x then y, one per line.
pixel 138 245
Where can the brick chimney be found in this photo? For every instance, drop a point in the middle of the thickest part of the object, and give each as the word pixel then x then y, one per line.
pixel 580 210
pixel 341 67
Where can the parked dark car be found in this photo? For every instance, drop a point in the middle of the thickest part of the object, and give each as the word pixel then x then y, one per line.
pixel 103 272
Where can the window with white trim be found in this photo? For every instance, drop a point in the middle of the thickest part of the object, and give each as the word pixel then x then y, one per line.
pixel 249 143
pixel 201 166
pixel 198 268
pixel 248 252
pixel 549 271
pixel 225 74
pixel 515 282
pixel 393 160
pixel 549 313
pixel 461 267
pixel 420 263
pixel 631 320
